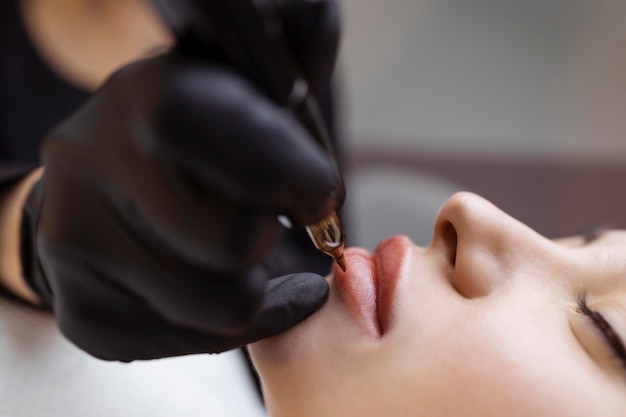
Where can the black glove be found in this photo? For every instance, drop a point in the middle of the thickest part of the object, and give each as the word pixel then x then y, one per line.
pixel 154 230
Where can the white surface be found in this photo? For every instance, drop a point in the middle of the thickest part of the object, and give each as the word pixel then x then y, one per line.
pixel 42 375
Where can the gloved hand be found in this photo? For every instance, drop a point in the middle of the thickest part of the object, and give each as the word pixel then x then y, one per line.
pixel 153 229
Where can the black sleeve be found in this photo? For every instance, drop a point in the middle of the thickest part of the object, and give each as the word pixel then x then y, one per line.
pixel 11 172
pixel 33 98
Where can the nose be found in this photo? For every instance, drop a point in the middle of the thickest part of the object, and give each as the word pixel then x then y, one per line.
pixel 483 246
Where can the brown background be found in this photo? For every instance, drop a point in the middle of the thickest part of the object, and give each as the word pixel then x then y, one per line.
pixel 554 198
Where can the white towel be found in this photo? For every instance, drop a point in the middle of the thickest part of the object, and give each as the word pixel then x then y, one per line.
pixel 43 375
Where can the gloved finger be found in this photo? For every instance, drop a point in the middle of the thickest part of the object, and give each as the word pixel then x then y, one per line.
pixel 115 325
pixel 86 287
pixel 290 300
pixel 216 127
pixel 131 331
pixel 313 30
pixel 206 302
pixel 118 326
pixel 227 305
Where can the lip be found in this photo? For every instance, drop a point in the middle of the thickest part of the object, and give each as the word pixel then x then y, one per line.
pixel 369 285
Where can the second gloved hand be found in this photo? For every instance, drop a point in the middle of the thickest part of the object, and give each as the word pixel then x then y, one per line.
pixel 149 230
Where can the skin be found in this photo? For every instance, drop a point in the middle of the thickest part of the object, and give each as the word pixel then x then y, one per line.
pixel 85 41
pixel 483 322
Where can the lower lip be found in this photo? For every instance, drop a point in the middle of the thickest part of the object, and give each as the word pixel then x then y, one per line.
pixel 368 286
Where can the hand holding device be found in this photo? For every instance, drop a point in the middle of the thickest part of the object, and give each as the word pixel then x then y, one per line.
pixel 153 232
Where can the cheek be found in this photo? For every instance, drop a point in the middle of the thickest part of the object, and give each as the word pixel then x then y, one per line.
pixel 512 354
pixel 505 359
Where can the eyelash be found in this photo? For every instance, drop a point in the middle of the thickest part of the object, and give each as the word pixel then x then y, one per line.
pixel 605 328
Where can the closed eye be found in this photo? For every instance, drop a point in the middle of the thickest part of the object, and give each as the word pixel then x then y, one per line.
pixel 605 328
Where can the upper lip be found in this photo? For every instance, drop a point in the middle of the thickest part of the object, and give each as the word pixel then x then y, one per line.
pixel 368 286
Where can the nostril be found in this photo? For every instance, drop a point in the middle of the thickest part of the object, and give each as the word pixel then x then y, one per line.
pixel 450 241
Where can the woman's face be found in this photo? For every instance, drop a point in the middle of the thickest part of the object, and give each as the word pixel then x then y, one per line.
pixel 488 320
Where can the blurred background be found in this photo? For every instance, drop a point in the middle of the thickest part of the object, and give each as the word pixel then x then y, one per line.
pixel 523 102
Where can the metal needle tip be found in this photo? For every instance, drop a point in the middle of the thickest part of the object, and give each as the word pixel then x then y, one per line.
pixel 341 261
pixel 328 237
